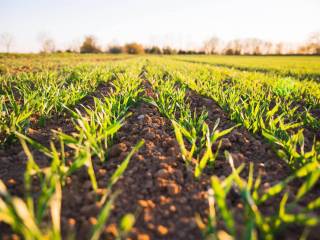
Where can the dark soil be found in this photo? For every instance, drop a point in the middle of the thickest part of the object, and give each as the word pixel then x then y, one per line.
pixel 157 186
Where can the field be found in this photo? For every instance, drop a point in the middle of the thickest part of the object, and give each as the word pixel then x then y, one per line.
pixel 159 147
pixel 295 66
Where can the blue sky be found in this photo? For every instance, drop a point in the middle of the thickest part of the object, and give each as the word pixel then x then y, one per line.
pixel 167 22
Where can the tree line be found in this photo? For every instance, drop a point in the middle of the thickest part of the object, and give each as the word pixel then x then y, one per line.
pixel 214 45
pixel 254 46
pixel 90 45
pixel 248 46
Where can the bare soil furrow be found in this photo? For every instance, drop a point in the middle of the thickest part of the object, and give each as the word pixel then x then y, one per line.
pixel 157 186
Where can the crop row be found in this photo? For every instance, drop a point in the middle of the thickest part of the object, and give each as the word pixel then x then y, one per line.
pixel 16 63
pixel 170 82
pixel 280 109
pixel 257 102
pixel 297 67
pixel 43 94
pixel 95 128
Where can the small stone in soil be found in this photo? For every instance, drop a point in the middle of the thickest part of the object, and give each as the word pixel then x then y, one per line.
pixel 173 188
pixel 117 149
pixel 93 220
pixel 11 182
pixel 150 136
pixel 164 200
pixel 146 203
pixel 143 237
pixel 111 229
pixel 102 172
pixel 173 208
pixel 71 222
pixel 89 210
pixel 87 184
pixel 226 144
pixel 162 173
pixel 140 116
pixel 22 156
pixel 162 230
pixel 179 175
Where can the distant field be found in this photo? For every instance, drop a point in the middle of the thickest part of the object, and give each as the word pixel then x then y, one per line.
pixel 159 147
pixel 33 62
pixel 297 66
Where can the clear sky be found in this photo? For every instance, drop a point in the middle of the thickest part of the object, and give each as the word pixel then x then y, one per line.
pixel 180 23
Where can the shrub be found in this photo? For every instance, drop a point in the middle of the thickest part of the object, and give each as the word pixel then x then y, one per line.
pixel 134 48
pixel 169 51
pixel 190 52
pixel 115 49
pixel 153 50
pixel 89 45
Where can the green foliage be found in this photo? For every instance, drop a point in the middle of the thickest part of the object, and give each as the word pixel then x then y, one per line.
pixel 277 100
pixel 259 225
pixel 263 103
pixel 49 93
pixel 89 45
pixel 134 48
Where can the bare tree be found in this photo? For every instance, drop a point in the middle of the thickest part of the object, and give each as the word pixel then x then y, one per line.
pixel 211 45
pixel 6 41
pixel 247 46
pixel 314 43
pixel 47 43
pixel 252 46
pixel 75 46
pixel 237 46
pixel 257 45
pixel 267 46
pixel 233 47
pixel 48 46
pixel 279 48
pixel 315 38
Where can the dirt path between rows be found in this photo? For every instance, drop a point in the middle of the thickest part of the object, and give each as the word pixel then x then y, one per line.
pixel 156 185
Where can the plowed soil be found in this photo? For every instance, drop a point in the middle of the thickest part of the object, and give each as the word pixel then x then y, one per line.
pixel 157 186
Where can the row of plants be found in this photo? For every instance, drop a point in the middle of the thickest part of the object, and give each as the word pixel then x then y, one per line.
pixel 291 210
pixel 193 134
pixel 41 95
pixel 265 104
pixel 95 128
pixel 11 64
pixel 295 207
pixel 299 67
pixel 254 101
